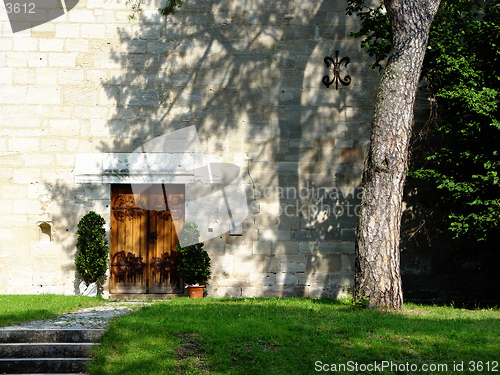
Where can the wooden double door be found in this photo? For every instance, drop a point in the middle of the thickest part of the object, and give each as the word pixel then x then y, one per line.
pixel 144 238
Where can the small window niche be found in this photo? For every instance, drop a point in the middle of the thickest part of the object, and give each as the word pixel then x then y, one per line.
pixel 45 232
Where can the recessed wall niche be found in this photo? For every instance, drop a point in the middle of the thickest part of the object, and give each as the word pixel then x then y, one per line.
pixel 44 232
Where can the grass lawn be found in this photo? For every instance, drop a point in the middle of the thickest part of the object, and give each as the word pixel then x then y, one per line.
pixel 21 308
pixel 297 336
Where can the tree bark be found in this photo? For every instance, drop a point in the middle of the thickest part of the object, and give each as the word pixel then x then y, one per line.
pixel 377 267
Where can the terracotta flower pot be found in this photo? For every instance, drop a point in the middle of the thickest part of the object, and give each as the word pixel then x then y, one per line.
pixel 195 291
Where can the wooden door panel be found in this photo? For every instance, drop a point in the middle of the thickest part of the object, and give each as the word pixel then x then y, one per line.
pixel 143 241
pixel 129 252
pixel 163 276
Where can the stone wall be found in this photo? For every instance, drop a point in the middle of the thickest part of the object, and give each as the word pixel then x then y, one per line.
pixel 247 74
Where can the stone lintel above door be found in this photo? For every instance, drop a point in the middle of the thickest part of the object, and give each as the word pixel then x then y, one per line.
pixel 146 168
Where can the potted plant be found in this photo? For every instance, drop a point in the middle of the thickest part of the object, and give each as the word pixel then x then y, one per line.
pixel 92 259
pixel 193 263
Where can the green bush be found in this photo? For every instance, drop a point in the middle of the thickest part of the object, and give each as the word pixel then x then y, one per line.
pixel 92 259
pixel 193 263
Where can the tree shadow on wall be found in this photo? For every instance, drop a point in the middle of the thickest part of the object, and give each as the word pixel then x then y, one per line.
pixel 78 201
pixel 250 81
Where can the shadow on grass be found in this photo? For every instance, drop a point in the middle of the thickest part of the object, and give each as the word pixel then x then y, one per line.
pixel 16 309
pixel 259 336
pixel 26 316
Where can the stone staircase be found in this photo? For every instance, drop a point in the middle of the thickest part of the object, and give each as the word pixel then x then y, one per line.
pixel 46 351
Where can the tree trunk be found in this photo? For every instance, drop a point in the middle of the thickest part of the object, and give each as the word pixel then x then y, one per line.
pixel 377 268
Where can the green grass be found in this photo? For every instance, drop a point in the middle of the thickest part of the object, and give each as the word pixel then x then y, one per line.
pixel 290 336
pixel 21 308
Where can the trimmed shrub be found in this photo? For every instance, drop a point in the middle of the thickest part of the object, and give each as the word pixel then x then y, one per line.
pixel 193 263
pixel 92 259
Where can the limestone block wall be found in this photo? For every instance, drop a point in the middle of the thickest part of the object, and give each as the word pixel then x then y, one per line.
pixel 247 74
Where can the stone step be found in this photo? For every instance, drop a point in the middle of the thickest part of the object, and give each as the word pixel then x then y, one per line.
pixel 43 365
pixel 46 350
pixel 49 351
pixel 28 335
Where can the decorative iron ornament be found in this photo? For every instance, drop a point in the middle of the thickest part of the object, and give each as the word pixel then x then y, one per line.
pixel 163 265
pixel 127 267
pixel 164 270
pixel 157 203
pixel 177 202
pixel 164 214
pixel 335 64
pixel 160 206
pixel 124 207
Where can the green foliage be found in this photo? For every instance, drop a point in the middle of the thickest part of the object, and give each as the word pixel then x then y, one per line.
pixel 463 68
pixel 362 302
pixel 461 72
pixel 374 28
pixel 92 259
pixel 193 263
pixel 171 7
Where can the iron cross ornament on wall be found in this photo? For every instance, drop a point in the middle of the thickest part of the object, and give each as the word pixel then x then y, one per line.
pixel 335 65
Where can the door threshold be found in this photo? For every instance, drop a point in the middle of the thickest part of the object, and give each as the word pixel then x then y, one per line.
pixel 143 296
